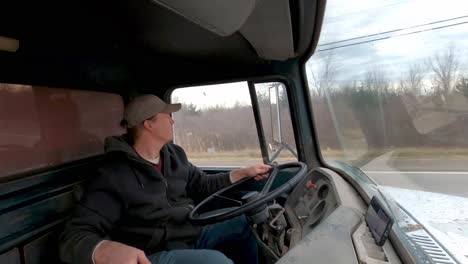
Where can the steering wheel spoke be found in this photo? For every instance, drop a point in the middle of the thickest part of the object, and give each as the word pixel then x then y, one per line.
pixel 227 198
pixel 273 171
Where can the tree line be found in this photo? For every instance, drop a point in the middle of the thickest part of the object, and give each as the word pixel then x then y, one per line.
pixel 371 112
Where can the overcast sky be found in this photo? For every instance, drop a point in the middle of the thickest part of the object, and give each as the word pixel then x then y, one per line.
pixel 417 41
pixel 356 19
pixel 226 94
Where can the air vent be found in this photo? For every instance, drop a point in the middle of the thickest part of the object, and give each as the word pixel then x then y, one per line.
pixel 432 249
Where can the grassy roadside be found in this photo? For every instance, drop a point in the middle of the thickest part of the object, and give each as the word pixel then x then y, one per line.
pixel 423 153
pixel 247 155
pixel 431 153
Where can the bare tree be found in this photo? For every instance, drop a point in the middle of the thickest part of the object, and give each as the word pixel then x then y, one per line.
pixel 412 80
pixel 376 80
pixel 371 102
pixel 324 77
pixel 445 67
pixel 462 86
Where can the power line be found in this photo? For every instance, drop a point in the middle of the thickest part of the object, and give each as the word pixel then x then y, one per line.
pixel 389 37
pixel 392 31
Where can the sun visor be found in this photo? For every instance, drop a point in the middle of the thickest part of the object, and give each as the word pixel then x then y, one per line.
pixel 269 30
pixel 223 17
pixel 8 44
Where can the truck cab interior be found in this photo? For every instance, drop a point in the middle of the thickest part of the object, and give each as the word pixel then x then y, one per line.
pixel 64 61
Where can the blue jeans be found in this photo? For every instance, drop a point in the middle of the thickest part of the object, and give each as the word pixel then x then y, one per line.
pixel 231 233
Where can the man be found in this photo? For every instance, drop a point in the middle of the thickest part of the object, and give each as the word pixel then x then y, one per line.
pixel 134 211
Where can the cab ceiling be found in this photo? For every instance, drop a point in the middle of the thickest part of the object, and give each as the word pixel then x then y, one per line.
pixel 108 45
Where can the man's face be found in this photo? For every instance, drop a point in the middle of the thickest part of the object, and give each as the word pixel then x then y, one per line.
pixel 161 127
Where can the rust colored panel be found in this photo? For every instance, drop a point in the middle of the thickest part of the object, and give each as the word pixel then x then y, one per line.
pixel 42 127
pixel 10 257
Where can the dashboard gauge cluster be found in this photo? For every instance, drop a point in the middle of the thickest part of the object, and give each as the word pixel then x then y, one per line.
pixel 312 200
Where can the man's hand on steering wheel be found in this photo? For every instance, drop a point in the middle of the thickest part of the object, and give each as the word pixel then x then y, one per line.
pixel 259 172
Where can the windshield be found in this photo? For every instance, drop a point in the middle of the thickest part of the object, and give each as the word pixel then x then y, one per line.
pixel 389 91
pixel 389 88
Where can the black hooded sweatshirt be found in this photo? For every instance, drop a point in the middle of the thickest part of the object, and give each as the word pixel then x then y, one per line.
pixel 128 200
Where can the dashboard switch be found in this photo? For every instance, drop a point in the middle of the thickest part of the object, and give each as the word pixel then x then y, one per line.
pixel 309 184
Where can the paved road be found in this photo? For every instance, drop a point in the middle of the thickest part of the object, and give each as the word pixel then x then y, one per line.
pixel 442 176
pixel 448 182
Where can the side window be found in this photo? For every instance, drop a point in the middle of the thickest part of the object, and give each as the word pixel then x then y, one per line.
pixel 276 122
pixel 43 127
pixel 216 125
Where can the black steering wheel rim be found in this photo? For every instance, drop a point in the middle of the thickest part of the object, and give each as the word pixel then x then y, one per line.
pixel 264 197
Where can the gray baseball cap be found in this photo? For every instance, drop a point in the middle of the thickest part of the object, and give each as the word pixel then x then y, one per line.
pixel 146 106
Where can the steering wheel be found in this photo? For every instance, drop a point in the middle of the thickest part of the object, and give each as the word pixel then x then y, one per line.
pixel 254 204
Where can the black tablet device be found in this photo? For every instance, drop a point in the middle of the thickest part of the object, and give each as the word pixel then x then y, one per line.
pixel 379 221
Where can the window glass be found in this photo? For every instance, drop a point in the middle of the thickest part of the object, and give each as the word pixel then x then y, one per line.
pixel 43 127
pixel 389 91
pixel 216 126
pixel 276 121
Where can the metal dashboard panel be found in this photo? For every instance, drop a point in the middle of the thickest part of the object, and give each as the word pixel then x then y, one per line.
pixel 313 199
pixel 328 242
pixel 326 238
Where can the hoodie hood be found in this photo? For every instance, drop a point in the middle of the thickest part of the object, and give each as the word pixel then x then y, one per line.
pixel 120 144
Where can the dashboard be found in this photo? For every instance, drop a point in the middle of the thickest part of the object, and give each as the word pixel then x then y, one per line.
pixel 311 201
pixel 327 223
